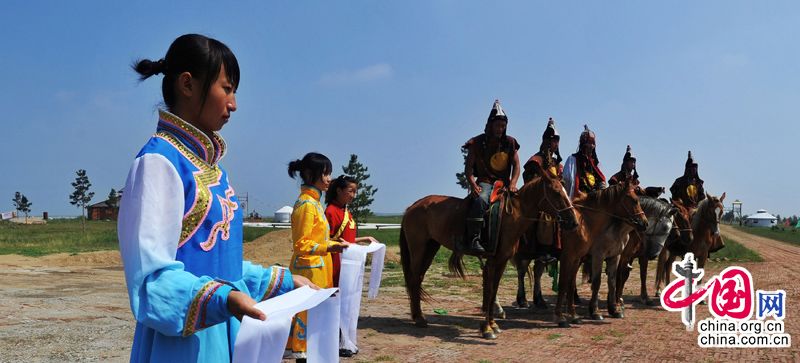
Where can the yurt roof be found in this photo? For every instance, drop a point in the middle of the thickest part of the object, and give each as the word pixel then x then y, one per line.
pixel 285 209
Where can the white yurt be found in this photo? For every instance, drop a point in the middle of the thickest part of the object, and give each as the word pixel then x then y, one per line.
pixel 283 215
pixel 761 219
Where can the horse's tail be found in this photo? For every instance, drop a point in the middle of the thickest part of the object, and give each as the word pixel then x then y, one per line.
pixel 413 283
pixel 456 264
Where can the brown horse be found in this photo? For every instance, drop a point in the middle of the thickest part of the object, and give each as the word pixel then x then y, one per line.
pixel 705 229
pixel 665 221
pixel 606 217
pixel 436 220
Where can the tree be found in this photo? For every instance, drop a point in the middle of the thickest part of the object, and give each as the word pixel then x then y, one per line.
pixel 462 176
pixel 113 198
pixel 360 205
pixel 81 196
pixel 22 204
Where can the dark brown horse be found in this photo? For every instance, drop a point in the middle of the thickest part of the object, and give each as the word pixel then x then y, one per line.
pixel 665 221
pixel 605 218
pixel 436 220
pixel 705 230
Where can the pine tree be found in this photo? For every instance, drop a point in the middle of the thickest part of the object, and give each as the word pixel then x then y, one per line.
pixel 360 205
pixel 81 196
pixel 22 204
pixel 113 198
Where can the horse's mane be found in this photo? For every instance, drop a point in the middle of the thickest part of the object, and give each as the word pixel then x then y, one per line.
pixel 603 196
pixel 661 207
pixel 702 208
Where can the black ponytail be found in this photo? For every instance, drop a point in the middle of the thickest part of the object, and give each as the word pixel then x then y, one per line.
pixel 311 168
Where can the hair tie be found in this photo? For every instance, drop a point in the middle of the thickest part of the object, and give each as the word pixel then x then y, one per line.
pixel 162 67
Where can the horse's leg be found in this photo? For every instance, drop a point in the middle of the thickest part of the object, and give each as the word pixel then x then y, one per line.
pixel 538 300
pixel 597 265
pixel 574 318
pixel 500 268
pixel 623 272
pixel 431 247
pixel 486 328
pixel 643 295
pixel 522 268
pixel 662 261
pixel 612 266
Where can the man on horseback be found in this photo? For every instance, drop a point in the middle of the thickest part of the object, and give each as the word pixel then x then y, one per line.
pixel 582 169
pixel 688 189
pixel 492 162
pixel 548 160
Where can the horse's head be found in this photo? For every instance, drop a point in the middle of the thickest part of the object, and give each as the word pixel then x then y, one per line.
pixel 711 212
pixel 659 224
pixel 682 222
pixel 628 205
pixel 553 200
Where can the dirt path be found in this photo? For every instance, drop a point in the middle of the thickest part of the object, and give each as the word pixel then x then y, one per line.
pixel 75 308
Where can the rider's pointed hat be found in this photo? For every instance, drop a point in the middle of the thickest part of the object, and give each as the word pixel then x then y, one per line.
pixel 690 161
pixel 550 133
pixel 497 112
pixel 586 135
pixel 628 155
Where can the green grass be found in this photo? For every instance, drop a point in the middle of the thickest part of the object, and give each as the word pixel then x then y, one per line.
pixel 735 251
pixel 384 219
pixel 57 236
pixel 389 237
pixel 66 236
pixel 554 336
pixel 789 235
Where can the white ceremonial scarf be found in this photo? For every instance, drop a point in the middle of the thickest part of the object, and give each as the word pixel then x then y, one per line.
pixel 351 285
pixel 265 341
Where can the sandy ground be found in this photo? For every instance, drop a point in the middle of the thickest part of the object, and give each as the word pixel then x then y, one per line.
pixel 69 308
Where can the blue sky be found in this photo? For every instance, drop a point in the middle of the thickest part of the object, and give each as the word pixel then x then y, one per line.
pixel 404 84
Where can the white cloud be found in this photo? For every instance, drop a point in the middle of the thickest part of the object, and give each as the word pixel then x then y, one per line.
pixel 367 74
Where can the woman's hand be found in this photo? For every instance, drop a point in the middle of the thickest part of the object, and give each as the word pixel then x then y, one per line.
pixel 300 281
pixel 338 247
pixel 240 304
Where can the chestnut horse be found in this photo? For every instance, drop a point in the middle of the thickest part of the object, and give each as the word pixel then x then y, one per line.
pixel 705 229
pixel 606 217
pixel 665 220
pixel 435 220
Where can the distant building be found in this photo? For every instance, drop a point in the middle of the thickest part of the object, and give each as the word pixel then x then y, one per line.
pixel 102 211
pixel 761 219
pixel 283 215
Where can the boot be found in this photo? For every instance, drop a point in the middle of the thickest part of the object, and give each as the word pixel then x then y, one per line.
pixel 473 237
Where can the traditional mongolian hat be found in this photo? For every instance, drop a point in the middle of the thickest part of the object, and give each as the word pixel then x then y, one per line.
pixel 586 135
pixel 550 132
pixel 497 112
pixel 628 155
pixel 690 161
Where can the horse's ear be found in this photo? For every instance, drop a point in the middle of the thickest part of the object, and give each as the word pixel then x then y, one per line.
pixel 708 196
pixel 722 197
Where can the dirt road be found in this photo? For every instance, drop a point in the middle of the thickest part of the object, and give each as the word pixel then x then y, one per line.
pixel 75 308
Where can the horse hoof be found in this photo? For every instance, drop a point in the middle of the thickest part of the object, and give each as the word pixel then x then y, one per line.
pixel 596 316
pixel 616 314
pixel 496 328
pixel 520 304
pixel 490 335
pixel 501 315
pixel 563 324
pixel 576 321
pixel 421 323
